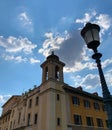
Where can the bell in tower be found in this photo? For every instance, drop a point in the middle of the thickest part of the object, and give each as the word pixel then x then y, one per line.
pixel 52 68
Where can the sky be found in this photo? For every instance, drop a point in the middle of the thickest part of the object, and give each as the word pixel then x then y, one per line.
pixel 30 30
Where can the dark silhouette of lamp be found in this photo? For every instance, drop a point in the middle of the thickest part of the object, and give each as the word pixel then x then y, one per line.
pixel 90 34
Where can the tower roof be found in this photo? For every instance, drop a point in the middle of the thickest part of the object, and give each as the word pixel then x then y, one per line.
pixel 52 56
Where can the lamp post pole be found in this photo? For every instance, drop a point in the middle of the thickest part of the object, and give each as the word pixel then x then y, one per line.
pixel 90 33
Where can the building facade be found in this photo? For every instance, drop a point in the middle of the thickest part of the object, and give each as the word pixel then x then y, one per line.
pixel 54 105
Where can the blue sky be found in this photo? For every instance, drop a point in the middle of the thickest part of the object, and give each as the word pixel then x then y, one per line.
pixel 29 30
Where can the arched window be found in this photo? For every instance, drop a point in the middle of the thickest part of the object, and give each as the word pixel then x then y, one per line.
pixel 46 73
pixel 57 73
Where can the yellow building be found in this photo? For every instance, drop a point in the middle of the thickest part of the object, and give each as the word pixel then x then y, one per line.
pixel 54 105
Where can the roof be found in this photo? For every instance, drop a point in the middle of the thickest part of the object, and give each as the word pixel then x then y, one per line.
pixel 52 57
pixel 14 96
pixel 73 90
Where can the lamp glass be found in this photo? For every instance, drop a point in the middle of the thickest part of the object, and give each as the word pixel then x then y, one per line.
pixel 91 35
pixel 88 36
pixel 96 34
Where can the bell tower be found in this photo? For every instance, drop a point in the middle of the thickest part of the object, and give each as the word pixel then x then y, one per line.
pixel 52 68
pixel 52 111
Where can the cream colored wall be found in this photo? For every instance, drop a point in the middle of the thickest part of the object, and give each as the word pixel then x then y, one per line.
pixel 6 113
pixel 9 104
pixel 14 117
pixel 50 109
pixel 5 122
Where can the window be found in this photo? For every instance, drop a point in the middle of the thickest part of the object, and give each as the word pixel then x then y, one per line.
pixel 8 117
pixel 12 113
pixel 58 97
pixel 28 119
pixel 96 106
pixel 107 123
pixel 11 125
pixel 75 100
pixel 30 103
pixel 37 101
pixel 77 119
pixel 46 73
pixel 57 73
pixel 86 104
pixel 14 124
pixel 19 117
pixel 89 121
pixel 58 121
pixel 35 119
pixel 99 122
pixel 103 108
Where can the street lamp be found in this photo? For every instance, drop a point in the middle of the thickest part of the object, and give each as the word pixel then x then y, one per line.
pixel 90 33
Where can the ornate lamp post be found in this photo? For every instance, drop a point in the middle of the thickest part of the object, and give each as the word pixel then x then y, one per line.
pixel 90 33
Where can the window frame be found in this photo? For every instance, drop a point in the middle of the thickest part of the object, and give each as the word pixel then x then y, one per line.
pixel 75 100
pixel 30 103
pixel 87 103
pixel 89 121
pixel 28 119
pixel 36 100
pixel 35 118
pixel 77 119
pixel 58 121
pixel 96 106
pixel 99 122
pixel 58 97
pixel 19 117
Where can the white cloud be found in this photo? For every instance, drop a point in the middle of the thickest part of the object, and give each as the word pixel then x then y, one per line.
pixel 4 98
pixel 17 49
pixel 87 17
pixel 24 17
pixel 49 35
pixel 79 66
pixel 106 63
pixel 52 42
pixel 33 61
pixel 91 82
pixel 108 77
pixel 26 21
pixel 18 59
pixel 14 45
pixel 104 21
